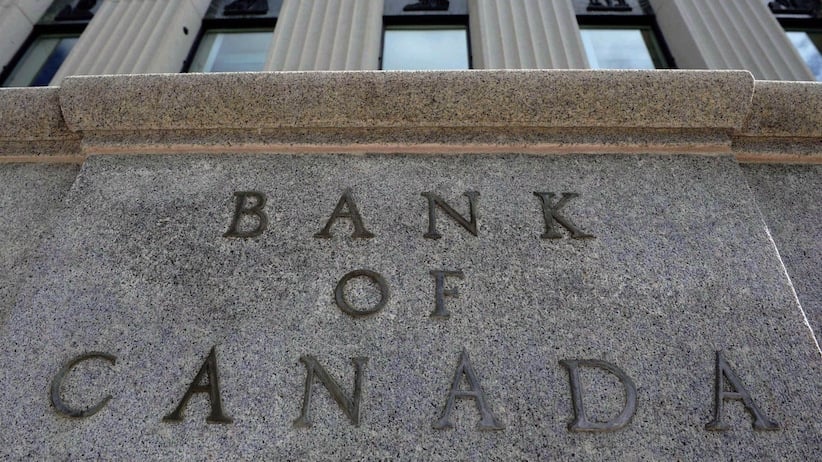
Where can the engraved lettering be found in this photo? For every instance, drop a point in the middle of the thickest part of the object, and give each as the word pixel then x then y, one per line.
pixel 435 201
pixel 346 208
pixel 488 420
pixel 57 384
pixel 342 301
pixel 581 422
pixel 243 208
pixel 212 388
pixel 551 215
pixel 440 292
pixel 350 406
pixel 739 393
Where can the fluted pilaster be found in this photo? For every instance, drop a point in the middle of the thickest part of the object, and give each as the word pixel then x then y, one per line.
pixel 525 34
pixel 710 34
pixel 322 35
pixel 136 37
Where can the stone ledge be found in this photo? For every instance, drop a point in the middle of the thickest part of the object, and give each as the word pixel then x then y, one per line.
pixel 408 99
pixel 31 124
pixel 32 114
pixel 784 125
pixel 785 110
pixel 716 111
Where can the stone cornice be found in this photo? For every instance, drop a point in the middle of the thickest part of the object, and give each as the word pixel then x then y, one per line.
pixel 551 112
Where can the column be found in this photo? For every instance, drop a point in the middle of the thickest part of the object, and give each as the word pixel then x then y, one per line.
pixel 17 19
pixel 136 37
pixel 525 34
pixel 711 34
pixel 323 35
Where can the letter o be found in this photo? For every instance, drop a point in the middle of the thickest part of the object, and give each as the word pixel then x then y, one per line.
pixel 342 303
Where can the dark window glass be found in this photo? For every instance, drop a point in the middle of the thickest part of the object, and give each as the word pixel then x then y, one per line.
pixel 51 40
pixel 41 61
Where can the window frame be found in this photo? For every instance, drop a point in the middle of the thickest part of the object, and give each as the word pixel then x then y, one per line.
pixel 39 31
pixel 810 22
pixel 433 20
pixel 238 25
pixel 636 22
pixel 48 24
pixel 216 19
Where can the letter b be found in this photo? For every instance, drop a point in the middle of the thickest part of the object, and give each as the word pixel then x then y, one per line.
pixel 243 209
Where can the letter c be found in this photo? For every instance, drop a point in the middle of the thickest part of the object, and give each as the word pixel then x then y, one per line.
pixel 57 383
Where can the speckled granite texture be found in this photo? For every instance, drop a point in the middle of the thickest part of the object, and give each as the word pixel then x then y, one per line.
pixel 785 109
pixel 790 198
pixel 30 195
pixel 31 123
pixel 785 124
pixel 408 99
pixel 680 267
pixel 494 111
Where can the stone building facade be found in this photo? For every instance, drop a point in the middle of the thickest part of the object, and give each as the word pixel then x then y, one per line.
pixel 537 259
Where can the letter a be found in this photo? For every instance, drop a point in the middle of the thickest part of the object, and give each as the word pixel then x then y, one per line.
pixel 353 214
pixel 723 372
pixel 488 421
pixel 209 370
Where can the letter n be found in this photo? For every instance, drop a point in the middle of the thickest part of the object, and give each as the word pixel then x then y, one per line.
pixel 739 393
pixel 435 201
pixel 212 388
pixel 350 406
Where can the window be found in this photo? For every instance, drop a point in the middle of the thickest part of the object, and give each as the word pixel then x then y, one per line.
pixel 809 45
pixel 621 34
pixel 622 48
pixel 41 61
pixel 50 42
pixel 232 50
pixel 802 20
pixel 425 48
pixel 425 35
pixel 235 36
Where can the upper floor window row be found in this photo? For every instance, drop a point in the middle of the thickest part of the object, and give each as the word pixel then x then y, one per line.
pixel 236 35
